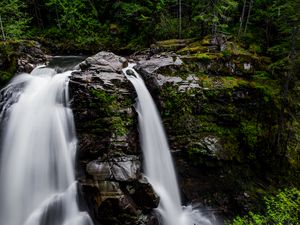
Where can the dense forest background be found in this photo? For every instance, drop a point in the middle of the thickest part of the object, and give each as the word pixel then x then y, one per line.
pixel 263 25
pixel 266 29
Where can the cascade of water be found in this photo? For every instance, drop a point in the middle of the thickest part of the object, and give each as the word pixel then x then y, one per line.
pixel 37 182
pixel 159 167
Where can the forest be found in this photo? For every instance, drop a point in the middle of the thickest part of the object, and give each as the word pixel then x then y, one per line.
pixel 251 114
pixel 265 26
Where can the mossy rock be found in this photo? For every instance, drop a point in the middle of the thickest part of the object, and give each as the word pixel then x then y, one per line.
pixel 195 47
pixel 173 44
pixel 110 106
pixel 226 82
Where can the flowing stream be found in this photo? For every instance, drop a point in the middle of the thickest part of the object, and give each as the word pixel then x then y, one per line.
pixel 159 167
pixel 37 182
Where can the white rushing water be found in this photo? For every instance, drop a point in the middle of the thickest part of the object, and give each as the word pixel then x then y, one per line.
pixel 37 182
pixel 159 167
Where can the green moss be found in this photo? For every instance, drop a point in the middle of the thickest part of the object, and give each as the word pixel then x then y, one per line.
pixel 205 56
pixel 227 142
pixel 269 89
pixel 195 47
pixel 234 48
pixel 168 42
pixel 206 40
pixel 217 82
pixel 103 96
pixel 109 106
pixel 174 41
pixel 119 126
pixel 251 131
pixel 173 44
pixel 254 48
pixel 9 57
pixel 178 102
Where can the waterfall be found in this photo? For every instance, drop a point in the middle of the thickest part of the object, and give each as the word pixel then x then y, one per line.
pixel 159 167
pixel 37 181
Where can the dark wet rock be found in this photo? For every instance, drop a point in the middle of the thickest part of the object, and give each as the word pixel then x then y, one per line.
pixel 113 211
pixel 130 72
pixel 126 168
pixel 142 194
pixel 102 105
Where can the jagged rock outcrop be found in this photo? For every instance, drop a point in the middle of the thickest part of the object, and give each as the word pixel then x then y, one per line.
pixel 109 165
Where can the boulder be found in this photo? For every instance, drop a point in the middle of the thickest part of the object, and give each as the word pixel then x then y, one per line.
pixel 142 194
pixel 104 62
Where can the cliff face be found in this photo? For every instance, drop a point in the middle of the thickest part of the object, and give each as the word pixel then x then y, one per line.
pixel 221 130
pixel 109 162
pixel 221 113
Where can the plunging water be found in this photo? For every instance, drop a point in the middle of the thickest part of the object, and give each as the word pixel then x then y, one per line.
pixel 159 167
pixel 37 183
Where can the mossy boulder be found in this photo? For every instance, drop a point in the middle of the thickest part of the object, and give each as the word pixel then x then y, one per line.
pixel 172 44
pixel 219 56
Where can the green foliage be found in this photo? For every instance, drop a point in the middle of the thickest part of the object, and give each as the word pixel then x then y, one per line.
pixel 122 25
pixel 214 15
pixel 167 27
pixel 280 210
pixel 76 19
pixel 15 19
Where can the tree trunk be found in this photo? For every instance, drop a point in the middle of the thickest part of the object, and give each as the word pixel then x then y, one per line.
pixel 1 26
pixel 248 16
pixel 180 12
pixel 38 15
pixel 242 18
